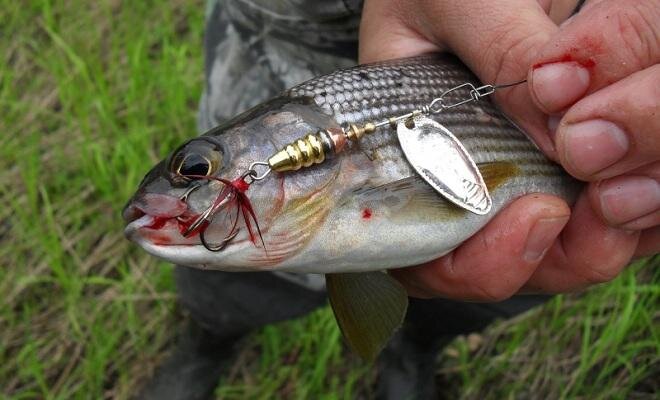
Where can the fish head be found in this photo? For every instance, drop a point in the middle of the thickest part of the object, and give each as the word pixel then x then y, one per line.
pixel 169 217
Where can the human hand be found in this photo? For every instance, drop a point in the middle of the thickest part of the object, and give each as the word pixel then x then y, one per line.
pixel 591 104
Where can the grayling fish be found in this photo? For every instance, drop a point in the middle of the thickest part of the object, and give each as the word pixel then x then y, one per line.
pixel 365 210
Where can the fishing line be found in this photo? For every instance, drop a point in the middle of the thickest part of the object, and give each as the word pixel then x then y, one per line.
pixel 506 85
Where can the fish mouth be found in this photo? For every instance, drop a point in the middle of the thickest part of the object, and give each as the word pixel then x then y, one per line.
pixel 169 244
pixel 158 218
pixel 155 204
pixel 195 256
pixel 158 231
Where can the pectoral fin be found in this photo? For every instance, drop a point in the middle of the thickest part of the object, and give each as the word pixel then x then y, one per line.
pixel 369 308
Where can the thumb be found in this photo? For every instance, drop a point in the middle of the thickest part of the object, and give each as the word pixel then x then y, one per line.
pixel 385 33
pixel 496 39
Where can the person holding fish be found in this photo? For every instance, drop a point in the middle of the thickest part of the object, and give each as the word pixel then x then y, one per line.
pixel 354 206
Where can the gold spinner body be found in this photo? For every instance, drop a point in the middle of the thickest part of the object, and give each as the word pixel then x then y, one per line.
pixel 316 147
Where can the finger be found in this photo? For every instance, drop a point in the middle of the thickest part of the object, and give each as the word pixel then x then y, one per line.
pixel 607 41
pixel 499 259
pixel 497 40
pixel 500 50
pixel 384 35
pixel 614 130
pixel 649 243
pixel 629 201
pixel 388 31
pixel 587 252
pixel 561 10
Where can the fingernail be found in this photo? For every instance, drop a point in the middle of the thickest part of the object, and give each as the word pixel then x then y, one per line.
pixel 592 146
pixel 541 236
pixel 624 199
pixel 558 85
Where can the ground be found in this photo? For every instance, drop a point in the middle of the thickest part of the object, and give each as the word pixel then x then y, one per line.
pixel 92 94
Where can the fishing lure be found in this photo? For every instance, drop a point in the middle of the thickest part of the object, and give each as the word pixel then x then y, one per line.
pixel 432 150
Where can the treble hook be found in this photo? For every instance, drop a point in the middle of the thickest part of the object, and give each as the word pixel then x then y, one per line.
pixel 207 216
pixel 234 192
pixel 195 186
pixel 222 245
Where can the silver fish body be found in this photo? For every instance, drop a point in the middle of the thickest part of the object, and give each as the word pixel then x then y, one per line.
pixel 366 209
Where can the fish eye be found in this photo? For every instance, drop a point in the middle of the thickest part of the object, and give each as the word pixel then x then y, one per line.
pixel 197 158
pixel 194 164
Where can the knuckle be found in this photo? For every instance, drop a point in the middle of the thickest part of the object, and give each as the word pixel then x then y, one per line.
pixel 638 24
pixel 638 95
pixel 493 291
pixel 504 51
pixel 651 83
pixel 602 273
pixel 487 242
pixel 646 93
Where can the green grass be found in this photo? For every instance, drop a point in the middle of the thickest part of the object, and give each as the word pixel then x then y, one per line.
pixel 91 95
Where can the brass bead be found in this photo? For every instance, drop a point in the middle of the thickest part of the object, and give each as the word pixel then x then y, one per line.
pixel 393 121
pixel 355 132
pixel 369 128
pixel 334 140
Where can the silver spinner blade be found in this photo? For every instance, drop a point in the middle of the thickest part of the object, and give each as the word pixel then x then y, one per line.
pixel 440 158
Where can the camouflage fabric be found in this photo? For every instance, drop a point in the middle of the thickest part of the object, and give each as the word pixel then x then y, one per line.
pixel 257 48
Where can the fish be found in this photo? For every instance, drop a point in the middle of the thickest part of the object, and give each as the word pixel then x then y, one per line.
pixel 350 217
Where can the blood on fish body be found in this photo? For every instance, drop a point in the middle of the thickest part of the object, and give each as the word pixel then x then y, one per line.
pixel 366 213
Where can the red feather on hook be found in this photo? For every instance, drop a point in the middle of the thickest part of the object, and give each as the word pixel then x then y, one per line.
pixel 236 188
